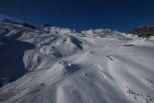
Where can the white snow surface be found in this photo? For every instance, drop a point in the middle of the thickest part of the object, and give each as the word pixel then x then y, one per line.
pixel 94 66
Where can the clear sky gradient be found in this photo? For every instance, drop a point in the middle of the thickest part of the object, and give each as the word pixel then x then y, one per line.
pixel 121 15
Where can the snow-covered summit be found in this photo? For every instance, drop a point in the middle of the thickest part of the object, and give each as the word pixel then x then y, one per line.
pixel 57 30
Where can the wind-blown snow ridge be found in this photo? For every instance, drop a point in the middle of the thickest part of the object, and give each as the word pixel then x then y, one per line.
pixel 64 66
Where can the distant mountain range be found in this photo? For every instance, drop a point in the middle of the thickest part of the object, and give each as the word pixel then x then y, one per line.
pixel 141 31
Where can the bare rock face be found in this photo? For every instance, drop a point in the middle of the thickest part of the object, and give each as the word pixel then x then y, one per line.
pixel 143 31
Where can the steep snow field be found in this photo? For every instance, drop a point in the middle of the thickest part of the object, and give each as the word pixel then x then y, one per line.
pixel 63 66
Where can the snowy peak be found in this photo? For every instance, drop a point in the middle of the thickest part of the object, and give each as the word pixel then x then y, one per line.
pixel 56 30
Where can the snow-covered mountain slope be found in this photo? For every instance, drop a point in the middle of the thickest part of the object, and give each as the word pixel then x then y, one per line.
pixel 64 66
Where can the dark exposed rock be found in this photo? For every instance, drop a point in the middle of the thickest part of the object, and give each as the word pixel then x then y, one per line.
pixel 45 25
pixel 143 31
pixel 29 26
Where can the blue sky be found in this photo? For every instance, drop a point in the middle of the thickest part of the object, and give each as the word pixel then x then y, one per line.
pixel 121 15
